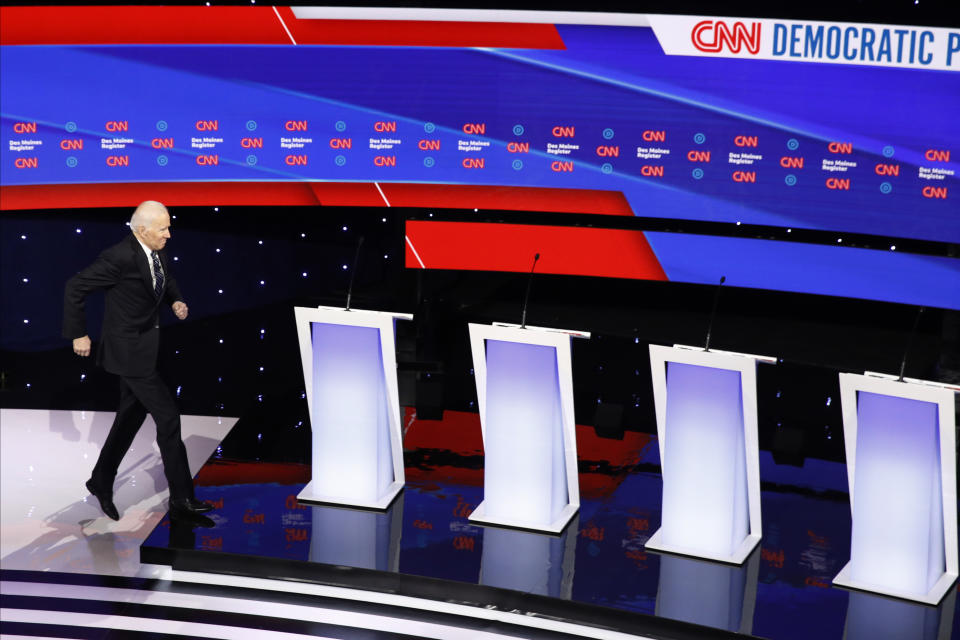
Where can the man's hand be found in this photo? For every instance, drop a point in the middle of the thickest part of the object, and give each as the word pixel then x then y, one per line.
pixel 180 310
pixel 81 346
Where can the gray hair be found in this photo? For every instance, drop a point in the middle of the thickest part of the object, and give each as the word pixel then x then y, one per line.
pixel 145 213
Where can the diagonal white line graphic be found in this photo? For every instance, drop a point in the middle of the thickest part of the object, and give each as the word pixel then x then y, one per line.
pixel 284 24
pixel 415 254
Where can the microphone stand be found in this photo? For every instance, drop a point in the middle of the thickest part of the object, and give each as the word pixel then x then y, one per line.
pixel 713 312
pixel 353 271
pixel 913 332
pixel 526 297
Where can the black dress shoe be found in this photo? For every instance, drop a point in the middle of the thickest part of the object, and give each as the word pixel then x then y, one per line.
pixel 190 505
pixel 106 501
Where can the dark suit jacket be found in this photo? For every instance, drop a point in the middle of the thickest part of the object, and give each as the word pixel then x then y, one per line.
pixel 131 313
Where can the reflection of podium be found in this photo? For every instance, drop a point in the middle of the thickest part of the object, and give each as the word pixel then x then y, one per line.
pixel 357 537
pixel 525 392
pixel 350 373
pixel 872 617
pixel 706 405
pixel 712 594
pixel 530 562
pixel 901 468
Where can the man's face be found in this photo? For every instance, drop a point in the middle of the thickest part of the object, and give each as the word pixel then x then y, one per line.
pixel 156 233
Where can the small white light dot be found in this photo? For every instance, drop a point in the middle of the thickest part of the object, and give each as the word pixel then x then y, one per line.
pixel 176 259
pixel 221 340
pixel 23 237
pixel 218 250
pixel 260 242
pixel 261 368
pixel 79 230
pixel 174 217
pixel 262 331
pixel 25 321
pixel 343 228
pixel 303 235
pixel 893 247
pixel 431 215
pixel 83 376
pixel 28 279
pixel 215 208
pixel 28 385
pixel 304 274
pixel 475 210
pixel 262 283
pixel 789 230
pixel 839 240
pixel 383 219
pixel 385 256
pixel 738 223
pixel 344 267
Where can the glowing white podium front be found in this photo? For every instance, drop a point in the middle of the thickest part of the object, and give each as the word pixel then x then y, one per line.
pixel 525 390
pixel 706 406
pixel 901 468
pixel 350 372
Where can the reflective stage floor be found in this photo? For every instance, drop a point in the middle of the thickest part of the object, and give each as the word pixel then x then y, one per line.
pixel 597 571
pixel 66 571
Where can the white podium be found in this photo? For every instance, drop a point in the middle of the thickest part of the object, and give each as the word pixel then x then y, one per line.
pixel 525 391
pixel 350 372
pixel 901 468
pixel 706 406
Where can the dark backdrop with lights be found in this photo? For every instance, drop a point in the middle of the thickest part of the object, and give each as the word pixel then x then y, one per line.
pixel 243 269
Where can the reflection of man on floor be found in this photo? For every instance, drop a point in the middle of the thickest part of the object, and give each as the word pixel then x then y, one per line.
pixel 137 282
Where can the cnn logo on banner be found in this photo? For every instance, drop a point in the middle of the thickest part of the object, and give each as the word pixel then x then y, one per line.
pixel 711 36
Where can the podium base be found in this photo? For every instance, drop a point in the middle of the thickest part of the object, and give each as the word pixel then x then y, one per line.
pixel 932 597
pixel 738 557
pixel 479 517
pixel 309 496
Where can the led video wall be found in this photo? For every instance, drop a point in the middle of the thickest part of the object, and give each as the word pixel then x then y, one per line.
pixel 839 127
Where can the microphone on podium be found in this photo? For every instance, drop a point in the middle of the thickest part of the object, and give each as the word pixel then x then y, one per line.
pixel 913 332
pixel 353 271
pixel 713 313
pixel 526 297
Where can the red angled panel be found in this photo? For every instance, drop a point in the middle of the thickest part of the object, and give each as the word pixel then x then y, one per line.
pixel 80 25
pixel 416 33
pixel 140 25
pixel 129 194
pixel 481 246
pixel 461 196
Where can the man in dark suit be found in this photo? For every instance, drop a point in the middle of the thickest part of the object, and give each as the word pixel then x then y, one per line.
pixel 136 278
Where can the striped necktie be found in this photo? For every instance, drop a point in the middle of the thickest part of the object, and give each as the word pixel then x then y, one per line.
pixel 157 273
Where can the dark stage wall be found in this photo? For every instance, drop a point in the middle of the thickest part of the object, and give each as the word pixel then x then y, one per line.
pixel 239 346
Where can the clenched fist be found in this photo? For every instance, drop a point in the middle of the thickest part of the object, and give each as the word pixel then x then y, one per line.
pixel 81 346
pixel 180 310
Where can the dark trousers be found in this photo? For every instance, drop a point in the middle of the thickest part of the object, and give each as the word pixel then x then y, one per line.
pixel 138 396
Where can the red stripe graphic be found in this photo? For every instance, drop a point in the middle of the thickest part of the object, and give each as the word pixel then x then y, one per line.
pixel 456 196
pixel 481 246
pixel 74 25
pixel 334 194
